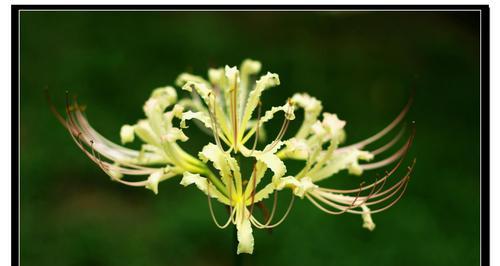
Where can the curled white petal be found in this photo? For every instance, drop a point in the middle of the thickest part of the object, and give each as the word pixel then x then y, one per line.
pixel 334 127
pixel 232 75
pixel 299 187
pixel 265 82
pixel 200 116
pixel 144 131
pixel 312 108
pixel 202 184
pixel 153 181
pixel 166 96
pixel 184 78
pixel 174 134
pixel 249 67
pixel 245 236
pixel 202 89
pixel 348 159
pixel 367 218
pixel 296 148
pixel 220 160
pixel 216 76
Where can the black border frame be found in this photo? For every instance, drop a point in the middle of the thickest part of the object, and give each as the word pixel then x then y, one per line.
pixel 485 91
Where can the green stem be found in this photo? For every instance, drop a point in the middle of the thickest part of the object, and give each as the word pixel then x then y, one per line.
pixel 218 184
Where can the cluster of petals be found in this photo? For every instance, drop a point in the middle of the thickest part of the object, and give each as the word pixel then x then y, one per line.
pixel 228 107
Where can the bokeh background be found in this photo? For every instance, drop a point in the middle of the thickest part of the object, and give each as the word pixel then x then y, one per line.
pixel 362 65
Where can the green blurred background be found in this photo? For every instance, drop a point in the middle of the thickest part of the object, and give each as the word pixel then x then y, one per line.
pixel 362 65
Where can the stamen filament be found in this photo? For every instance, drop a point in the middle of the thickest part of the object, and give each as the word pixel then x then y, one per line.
pixel 257 127
pixel 212 213
pixel 384 131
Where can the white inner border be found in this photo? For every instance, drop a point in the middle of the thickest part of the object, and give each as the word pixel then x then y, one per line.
pixel 5 105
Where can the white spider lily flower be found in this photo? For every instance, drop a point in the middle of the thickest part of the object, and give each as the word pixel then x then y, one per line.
pixel 239 197
pixel 228 107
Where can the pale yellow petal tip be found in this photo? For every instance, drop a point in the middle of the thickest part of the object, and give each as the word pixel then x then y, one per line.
pixel 174 134
pixel 367 218
pixel 115 175
pixel 189 86
pixel 184 78
pixel 189 179
pixel 289 110
pixel 216 75
pixel 160 99
pixel 369 226
pixel 127 134
pixel 299 187
pixel 332 123
pixel 231 72
pixel 153 181
pixel 365 155
pixel 245 237
pixel 269 80
pixel 151 106
pixel 250 66
pixel 355 169
pixel 309 103
pixel 181 79
pixel 166 93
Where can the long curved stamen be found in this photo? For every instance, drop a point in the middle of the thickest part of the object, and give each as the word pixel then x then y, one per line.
pixel 313 201
pixel 213 120
pixel 401 186
pixel 106 147
pixel 342 209
pixel 70 122
pixel 254 184
pixel 367 198
pixel 105 168
pixel 394 201
pixel 94 153
pixel 257 127
pixel 384 131
pixel 401 152
pixel 53 108
pixel 390 204
pixel 74 130
pixel 386 161
pixel 76 135
pixel 136 169
pixel 230 192
pixel 397 185
pixel 273 210
pixel 386 176
pixel 390 143
pixel 281 133
pixel 339 200
pixel 212 213
pixel 267 226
